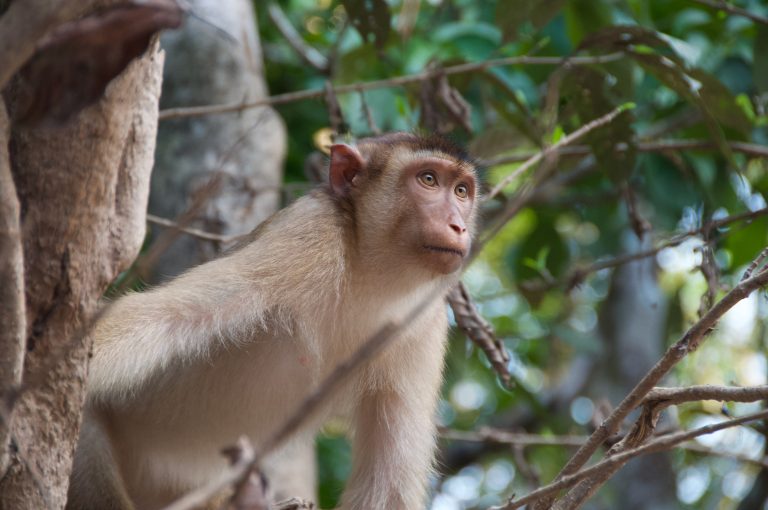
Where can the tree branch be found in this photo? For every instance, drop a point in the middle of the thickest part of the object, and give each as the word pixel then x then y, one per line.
pixel 479 330
pixel 492 435
pixel 195 111
pixel 725 6
pixel 307 53
pixel 665 397
pixel 577 275
pixel 750 149
pixel 194 232
pixel 24 24
pixel 566 140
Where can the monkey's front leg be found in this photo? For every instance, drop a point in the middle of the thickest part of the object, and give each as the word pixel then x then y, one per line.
pixel 393 445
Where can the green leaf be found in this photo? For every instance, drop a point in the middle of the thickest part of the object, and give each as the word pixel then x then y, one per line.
pixel 557 134
pixel 745 243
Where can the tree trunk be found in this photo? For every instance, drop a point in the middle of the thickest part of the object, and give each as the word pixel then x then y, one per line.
pixel 244 150
pixel 83 194
pixel 12 315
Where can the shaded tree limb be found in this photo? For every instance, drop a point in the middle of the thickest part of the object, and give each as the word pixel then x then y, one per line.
pixel 750 149
pixel 577 275
pixel 733 9
pixel 306 52
pixel 501 436
pixel 25 23
pixel 289 97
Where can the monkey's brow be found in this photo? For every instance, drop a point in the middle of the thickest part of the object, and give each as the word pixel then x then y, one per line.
pixel 457 171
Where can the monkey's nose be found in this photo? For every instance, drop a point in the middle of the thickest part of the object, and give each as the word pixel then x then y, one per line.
pixel 458 228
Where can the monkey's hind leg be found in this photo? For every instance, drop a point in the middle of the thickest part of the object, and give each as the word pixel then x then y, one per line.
pixel 96 483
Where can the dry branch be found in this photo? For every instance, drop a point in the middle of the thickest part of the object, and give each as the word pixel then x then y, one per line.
pixel 665 397
pixel 577 275
pixel 195 232
pixel 521 439
pixel 236 473
pixel 479 330
pixel 750 149
pixel 566 140
pixel 195 111
pixel 491 435
pixel 733 9
pixel 307 53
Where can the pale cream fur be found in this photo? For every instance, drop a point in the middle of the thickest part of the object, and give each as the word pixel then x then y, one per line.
pixel 231 346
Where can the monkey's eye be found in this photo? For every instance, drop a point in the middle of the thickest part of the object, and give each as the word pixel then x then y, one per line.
pixel 428 179
pixel 462 191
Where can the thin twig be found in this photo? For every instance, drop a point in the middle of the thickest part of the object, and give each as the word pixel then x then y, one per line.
pixel 289 97
pixel 566 140
pixel 306 52
pixel 755 263
pixel 491 435
pixel 661 444
pixel 577 275
pixel 749 149
pixel 195 232
pixel 666 397
pixel 368 114
pixel 239 469
pixel 725 6
pixel 698 448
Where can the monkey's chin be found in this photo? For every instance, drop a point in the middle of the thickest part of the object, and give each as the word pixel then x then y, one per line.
pixel 444 260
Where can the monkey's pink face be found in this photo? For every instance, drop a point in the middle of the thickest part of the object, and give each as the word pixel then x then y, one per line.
pixel 442 194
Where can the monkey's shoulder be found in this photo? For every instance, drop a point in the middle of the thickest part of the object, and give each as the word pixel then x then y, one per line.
pixel 313 217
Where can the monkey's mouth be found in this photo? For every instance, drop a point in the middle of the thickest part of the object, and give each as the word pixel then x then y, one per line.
pixel 440 249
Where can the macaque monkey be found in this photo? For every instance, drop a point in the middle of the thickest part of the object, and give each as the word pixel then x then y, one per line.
pixel 233 346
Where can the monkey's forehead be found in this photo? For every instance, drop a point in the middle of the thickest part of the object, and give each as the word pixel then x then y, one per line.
pixel 401 157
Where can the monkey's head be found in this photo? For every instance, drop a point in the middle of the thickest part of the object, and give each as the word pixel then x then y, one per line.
pixel 411 197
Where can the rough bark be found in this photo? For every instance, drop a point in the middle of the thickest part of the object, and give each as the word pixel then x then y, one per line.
pixel 83 193
pixel 204 66
pixel 12 315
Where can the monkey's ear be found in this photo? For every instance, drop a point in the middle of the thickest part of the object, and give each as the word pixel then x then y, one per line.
pixel 346 164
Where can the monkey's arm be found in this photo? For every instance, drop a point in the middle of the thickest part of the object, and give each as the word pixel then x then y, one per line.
pixel 141 334
pixel 394 429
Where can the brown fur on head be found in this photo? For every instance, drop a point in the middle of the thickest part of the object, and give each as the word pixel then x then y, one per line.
pixel 419 191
